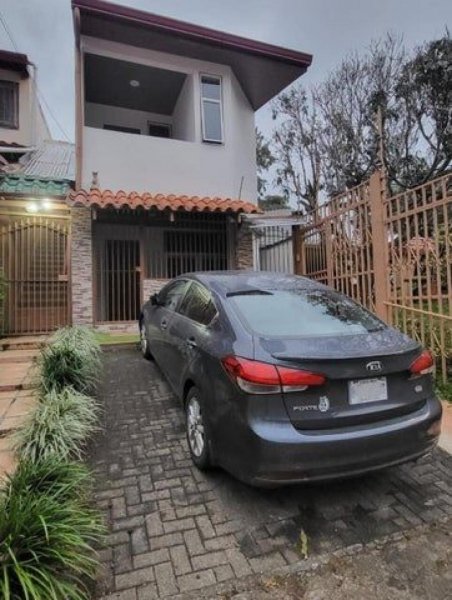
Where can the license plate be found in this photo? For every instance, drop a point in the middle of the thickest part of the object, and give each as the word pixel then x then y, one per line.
pixel 362 391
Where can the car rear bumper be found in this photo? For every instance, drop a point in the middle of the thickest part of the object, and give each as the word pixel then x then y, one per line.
pixel 279 454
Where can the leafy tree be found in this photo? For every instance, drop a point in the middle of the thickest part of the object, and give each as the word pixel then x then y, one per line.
pixel 273 202
pixel 296 143
pixel 264 160
pixel 381 106
pixel 423 95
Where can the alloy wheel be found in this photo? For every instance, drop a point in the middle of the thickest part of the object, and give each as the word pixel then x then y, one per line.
pixel 143 340
pixel 195 427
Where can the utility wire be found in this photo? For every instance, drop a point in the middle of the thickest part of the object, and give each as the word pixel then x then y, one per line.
pixel 8 32
pixel 37 89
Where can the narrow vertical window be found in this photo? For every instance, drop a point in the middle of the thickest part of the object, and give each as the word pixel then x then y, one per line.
pixel 9 104
pixel 212 113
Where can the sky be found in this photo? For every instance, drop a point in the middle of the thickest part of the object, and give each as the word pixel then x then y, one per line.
pixel 327 29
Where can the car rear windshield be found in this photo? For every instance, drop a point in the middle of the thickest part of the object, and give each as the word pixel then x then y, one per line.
pixel 303 313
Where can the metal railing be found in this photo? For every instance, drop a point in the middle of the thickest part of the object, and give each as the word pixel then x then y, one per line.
pixel 391 254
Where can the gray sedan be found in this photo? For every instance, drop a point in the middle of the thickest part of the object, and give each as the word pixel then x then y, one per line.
pixel 284 380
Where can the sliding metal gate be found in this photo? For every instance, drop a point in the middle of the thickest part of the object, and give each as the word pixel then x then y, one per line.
pixel 34 260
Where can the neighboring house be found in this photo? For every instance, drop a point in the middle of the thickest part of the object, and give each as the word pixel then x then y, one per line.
pixel 22 123
pixel 165 147
pixel 36 174
pixel 273 243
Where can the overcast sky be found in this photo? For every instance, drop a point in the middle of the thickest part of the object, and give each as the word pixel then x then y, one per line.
pixel 328 29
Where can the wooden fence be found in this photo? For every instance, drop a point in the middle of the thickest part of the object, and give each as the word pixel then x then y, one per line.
pixel 391 254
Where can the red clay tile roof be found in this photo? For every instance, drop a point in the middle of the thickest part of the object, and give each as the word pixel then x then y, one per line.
pixel 120 199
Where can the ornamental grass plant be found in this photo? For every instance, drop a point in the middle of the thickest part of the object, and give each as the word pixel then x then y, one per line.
pixel 48 530
pixel 72 359
pixel 59 426
pixel 48 533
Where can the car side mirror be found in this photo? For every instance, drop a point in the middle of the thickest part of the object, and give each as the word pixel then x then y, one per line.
pixel 155 301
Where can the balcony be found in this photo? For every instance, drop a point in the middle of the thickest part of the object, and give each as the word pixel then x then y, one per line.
pixel 138 99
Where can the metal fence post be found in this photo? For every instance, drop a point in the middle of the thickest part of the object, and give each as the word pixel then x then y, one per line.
pixel 297 244
pixel 379 244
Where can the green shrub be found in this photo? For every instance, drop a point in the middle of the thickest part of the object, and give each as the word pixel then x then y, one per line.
pixel 72 359
pixel 47 534
pixel 444 390
pixel 67 479
pixel 59 426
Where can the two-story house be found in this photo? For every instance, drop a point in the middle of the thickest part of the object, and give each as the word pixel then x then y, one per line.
pixel 35 176
pixel 165 152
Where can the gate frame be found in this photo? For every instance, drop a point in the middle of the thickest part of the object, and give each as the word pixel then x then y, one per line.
pixel 16 206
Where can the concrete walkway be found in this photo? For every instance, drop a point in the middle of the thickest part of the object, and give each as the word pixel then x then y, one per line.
pixel 445 441
pixel 17 370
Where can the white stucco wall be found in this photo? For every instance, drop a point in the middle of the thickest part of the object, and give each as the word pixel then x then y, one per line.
pixel 143 163
pixel 33 128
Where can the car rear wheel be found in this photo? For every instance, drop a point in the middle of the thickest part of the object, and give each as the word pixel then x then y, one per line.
pixel 198 442
pixel 144 344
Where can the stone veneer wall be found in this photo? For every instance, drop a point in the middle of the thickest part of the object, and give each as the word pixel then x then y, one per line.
pixel 244 247
pixel 152 286
pixel 82 266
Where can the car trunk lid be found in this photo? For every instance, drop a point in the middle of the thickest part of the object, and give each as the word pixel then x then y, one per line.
pixel 367 378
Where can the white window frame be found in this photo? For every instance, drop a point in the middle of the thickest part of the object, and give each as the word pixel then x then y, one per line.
pixel 212 101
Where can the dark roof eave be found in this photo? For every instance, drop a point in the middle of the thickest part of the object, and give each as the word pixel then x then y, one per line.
pixel 195 32
pixel 14 61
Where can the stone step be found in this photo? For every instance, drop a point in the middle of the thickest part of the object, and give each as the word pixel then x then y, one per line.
pixel 16 376
pixel 7 459
pixel 18 356
pixel 30 342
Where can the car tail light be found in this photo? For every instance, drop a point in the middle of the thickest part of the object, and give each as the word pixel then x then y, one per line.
pixel 423 364
pixel 257 377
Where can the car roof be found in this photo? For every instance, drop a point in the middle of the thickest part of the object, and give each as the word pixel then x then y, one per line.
pixel 226 282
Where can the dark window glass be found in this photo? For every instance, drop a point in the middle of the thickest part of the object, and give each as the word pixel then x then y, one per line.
pixel 198 305
pixel 9 104
pixel 170 295
pixel 189 251
pixel 303 313
pixel 122 129
pixel 160 130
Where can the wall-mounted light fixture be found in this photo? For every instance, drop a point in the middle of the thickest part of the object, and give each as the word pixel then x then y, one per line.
pixel 36 206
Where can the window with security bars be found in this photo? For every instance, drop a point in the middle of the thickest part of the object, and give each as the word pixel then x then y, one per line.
pixel 9 104
pixel 188 251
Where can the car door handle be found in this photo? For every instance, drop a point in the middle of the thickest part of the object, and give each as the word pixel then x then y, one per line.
pixel 191 342
pixel 163 324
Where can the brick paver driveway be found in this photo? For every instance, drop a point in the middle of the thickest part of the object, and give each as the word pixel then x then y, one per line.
pixel 174 529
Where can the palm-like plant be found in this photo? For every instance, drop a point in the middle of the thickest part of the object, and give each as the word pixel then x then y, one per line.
pixel 59 426
pixel 47 534
pixel 72 359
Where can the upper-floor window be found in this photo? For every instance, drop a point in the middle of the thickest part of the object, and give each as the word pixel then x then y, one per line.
pixel 211 107
pixel 9 104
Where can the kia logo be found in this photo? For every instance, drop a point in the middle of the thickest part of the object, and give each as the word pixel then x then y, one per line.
pixel 375 365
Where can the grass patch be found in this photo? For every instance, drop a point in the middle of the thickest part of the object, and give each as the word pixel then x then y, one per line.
pixel 47 534
pixel 59 426
pixel 106 338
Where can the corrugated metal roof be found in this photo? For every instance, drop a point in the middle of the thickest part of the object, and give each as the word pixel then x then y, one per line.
pixel 51 160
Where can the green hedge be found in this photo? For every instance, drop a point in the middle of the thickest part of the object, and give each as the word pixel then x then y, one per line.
pixel 48 529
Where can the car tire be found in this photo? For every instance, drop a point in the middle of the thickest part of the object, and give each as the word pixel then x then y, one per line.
pixel 197 437
pixel 144 343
